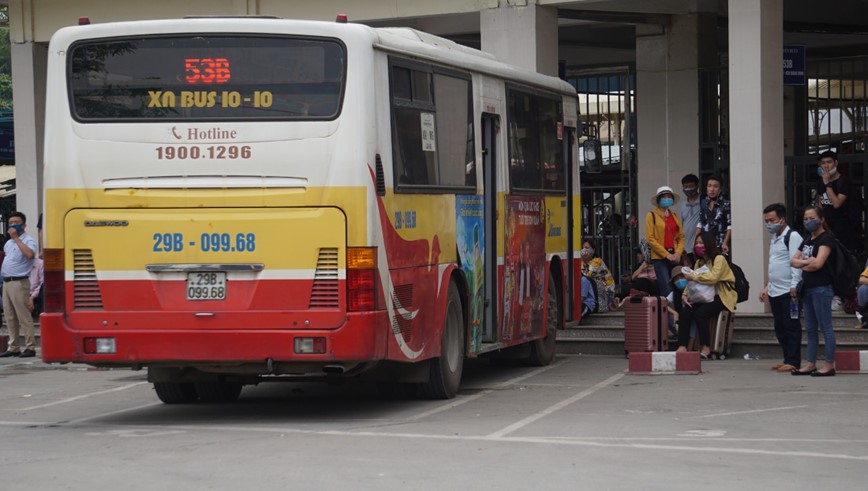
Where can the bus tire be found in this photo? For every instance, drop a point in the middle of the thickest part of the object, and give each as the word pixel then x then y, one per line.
pixel 444 374
pixel 176 392
pixel 542 351
pixel 218 391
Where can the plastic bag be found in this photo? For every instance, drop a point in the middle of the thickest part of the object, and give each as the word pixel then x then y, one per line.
pixel 698 292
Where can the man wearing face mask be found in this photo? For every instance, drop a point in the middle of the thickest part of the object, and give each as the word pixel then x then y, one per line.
pixel 19 251
pixel 781 288
pixel 689 210
pixel 836 195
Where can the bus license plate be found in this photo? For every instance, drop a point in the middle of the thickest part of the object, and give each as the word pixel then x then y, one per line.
pixel 209 285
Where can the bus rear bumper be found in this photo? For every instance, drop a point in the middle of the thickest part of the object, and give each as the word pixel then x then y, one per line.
pixel 357 341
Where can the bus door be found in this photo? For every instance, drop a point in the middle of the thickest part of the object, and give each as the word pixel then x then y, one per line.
pixel 490 125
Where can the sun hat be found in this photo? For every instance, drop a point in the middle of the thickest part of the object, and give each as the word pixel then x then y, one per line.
pixel 676 271
pixel 664 190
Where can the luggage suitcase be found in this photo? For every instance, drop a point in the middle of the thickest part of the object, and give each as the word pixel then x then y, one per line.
pixel 645 324
pixel 720 332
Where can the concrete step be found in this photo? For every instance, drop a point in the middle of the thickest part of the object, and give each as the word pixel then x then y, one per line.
pixel 753 335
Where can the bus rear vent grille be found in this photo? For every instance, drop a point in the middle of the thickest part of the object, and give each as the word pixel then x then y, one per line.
pixel 402 322
pixel 325 292
pixel 86 295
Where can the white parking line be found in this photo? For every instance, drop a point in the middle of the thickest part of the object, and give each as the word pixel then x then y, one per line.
pixel 464 400
pixel 112 413
pixel 752 411
pixel 545 412
pixel 542 440
pixel 83 396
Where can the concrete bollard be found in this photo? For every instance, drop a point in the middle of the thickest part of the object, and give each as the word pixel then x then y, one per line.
pixel 851 361
pixel 660 362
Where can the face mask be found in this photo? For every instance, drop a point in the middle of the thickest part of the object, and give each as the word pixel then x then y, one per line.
pixel 812 225
pixel 17 228
pixel 587 252
pixel 681 283
pixel 773 227
pixel 699 250
pixel 666 202
pixel 690 192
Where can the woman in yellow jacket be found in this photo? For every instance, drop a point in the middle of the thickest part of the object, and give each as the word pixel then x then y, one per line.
pixel 721 276
pixel 665 235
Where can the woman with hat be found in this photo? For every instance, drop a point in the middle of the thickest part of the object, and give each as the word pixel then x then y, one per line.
pixel 665 235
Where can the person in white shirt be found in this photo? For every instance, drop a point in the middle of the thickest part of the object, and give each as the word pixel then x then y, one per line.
pixel 781 288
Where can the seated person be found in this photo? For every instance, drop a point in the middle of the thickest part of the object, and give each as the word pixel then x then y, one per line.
pixel 862 296
pixel 595 269
pixel 677 283
pixel 589 298
pixel 717 274
pixel 643 280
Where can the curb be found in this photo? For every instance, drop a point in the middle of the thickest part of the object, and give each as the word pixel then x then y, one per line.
pixel 664 362
pixel 851 361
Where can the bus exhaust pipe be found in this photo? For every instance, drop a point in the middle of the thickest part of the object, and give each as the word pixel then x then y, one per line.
pixel 334 369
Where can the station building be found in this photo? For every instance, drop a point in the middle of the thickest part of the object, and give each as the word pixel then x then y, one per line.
pixel 751 90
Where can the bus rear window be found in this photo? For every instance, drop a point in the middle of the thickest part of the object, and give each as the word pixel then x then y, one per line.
pixel 207 77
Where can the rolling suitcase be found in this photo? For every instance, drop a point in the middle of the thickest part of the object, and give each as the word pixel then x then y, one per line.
pixel 645 324
pixel 720 332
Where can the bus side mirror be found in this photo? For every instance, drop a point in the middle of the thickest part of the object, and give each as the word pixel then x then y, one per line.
pixel 593 157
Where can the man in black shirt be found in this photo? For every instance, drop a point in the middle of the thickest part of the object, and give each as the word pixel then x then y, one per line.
pixel 836 195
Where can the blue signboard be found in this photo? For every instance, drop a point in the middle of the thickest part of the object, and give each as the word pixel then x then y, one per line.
pixel 794 65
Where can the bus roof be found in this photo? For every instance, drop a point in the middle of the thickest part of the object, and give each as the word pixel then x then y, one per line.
pixel 398 40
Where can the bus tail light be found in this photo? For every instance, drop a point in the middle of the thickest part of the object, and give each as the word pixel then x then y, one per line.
pixel 307 346
pixel 54 280
pixel 100 346
pixel 361 279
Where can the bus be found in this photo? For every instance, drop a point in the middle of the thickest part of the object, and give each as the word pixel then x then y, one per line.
pixel 230 201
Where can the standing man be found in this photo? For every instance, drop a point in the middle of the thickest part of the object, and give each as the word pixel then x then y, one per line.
pixel 715 214
pixel 781 288
pixel 19 251
pixel 689 211
pixel 836 195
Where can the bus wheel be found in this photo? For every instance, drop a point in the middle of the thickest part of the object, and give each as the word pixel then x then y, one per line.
pixel 218 391
pixel 445 371
pixel 176 392
pixel 542 351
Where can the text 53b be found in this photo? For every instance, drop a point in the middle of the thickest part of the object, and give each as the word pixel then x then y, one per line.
pixel 181 152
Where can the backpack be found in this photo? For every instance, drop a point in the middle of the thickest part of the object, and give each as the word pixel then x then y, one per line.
pixel 741 286
pixel 844 270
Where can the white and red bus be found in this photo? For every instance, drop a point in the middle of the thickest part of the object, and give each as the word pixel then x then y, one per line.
pixel 236 200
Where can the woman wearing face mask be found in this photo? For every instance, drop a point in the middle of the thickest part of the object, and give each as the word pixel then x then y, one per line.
pixel 665 235
pixel 595 269
pixel 817 292
pixel 720 275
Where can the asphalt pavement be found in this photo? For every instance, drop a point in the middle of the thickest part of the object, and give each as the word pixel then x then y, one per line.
pixel 579 423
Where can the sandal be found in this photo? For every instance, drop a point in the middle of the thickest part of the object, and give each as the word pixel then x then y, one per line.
pixel 705 356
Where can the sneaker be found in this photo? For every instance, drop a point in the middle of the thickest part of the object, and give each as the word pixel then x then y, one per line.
pixel 28 353
pixel 9 354
pixel 836 303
